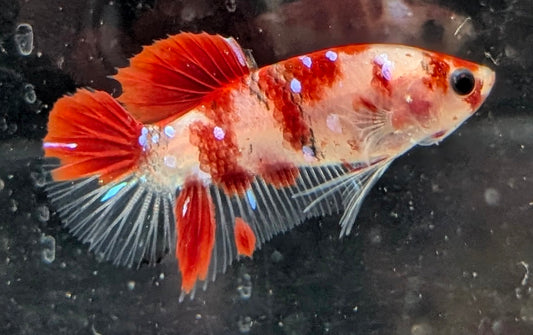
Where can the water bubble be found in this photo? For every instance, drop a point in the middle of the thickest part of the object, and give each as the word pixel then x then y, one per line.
pixel 245 324
pixel 38 178
pixel 13 205
pixel 276 257
pixel 42 213
pixel 492 196
pixel 24 39
pixel 29 94
pixel 131 285
pixel 245 286
pixel 231 5
pixel 48 254
pixel 12 128
pixel 2 184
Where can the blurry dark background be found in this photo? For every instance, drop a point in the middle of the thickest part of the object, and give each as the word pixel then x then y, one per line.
pixel 444 243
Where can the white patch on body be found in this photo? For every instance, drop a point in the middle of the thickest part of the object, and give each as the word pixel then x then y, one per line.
pixel 219 133
pixel 386 65
pixel 331 55
pixel 306 61
pixel 170 161
pixel 334 123
pixel 296 86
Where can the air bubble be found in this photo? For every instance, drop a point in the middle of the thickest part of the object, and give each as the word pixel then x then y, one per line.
pixel 13 205
pixel 245 286
pixel 42 213
pixel 2 184
pixel 231 5
pixel 38 178
pixel 24 39
pixel 29 94
pixel 48 254
pixel 245 324
pixel 492 196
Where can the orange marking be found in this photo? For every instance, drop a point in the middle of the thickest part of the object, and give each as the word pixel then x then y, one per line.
pixel 280 174
pixel 244 238
pixel 195 232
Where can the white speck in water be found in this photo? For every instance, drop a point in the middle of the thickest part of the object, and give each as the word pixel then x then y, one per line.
pixel 219 133
pixel 169 131
pixel 296 86
pixel 333 123
pixel 2 184
pixel 29 94
pixel 331 55
pixel 13 205
pixel 42 213
pixel 24 39
pixel 131 285
pixel 307 61
pixel 170 161
pixel 492 196
pixel 48 254
pixel 231 5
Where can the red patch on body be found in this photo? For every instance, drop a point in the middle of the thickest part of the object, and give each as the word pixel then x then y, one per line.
pixel 313 73
pixel 217 145
pixel 474 99
pixel 218 157
pixel 365 103
pixel 244 237
pixel 280 174
pixel 195 233
pixel 438 70
pixel 379 81
pixel 421 110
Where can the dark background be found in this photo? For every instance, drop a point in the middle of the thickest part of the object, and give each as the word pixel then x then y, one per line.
pixel 443 244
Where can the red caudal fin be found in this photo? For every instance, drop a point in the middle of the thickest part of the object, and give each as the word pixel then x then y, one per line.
pixel 175 74
pixel 195 231
pixel 92 135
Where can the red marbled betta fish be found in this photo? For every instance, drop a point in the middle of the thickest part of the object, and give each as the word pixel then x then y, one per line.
pixel 208 157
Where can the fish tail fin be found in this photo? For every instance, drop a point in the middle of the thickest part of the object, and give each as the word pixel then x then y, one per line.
pixel 97 189
pixel 92 134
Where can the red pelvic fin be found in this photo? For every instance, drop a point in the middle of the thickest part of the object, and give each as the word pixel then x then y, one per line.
pixel 195 231
pixel 92 134
pixel 244 237
pixel 173 75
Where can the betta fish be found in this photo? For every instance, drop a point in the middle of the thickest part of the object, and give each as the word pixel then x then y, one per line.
pixel 207 157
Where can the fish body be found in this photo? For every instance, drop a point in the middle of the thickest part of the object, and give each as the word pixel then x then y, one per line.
pixel 208 157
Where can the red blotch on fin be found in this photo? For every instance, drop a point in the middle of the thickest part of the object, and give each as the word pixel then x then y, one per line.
pixel 92 134
pixel 173 75
pixel 280 174
pixel 244 238
pixel 195 231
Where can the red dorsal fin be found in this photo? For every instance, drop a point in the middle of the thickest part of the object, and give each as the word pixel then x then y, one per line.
pixel 92 134
pixel 173 75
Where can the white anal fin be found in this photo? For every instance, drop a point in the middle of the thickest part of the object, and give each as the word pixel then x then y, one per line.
pixel 126 221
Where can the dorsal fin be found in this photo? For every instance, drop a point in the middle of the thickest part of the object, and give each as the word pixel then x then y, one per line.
pixel 175 74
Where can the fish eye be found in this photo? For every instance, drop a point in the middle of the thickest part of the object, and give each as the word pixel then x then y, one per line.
pixel 462 81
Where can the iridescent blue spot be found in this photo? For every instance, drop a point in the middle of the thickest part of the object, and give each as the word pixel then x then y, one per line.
pixel 169 131
pixel 331 55
pixel 60 145
pixel 144 131
pixel 296 86
pixel 142 140
pixel 113 191
pixel 306 60
pixel 155 138
pixel 251 199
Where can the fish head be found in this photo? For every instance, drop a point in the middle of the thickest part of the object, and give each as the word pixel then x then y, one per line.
pixel 435 94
